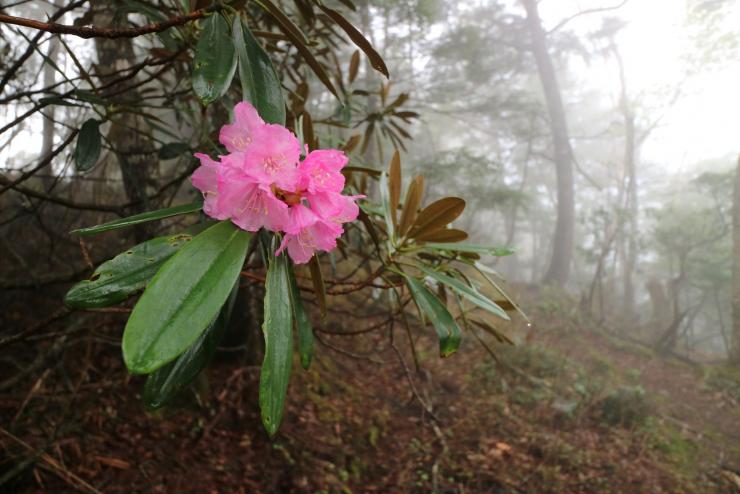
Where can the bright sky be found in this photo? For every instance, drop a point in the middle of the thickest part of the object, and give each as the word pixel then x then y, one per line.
pixel 705 122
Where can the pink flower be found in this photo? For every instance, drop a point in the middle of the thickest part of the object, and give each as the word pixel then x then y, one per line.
pixel 249 205
pixel 320 171
pixel 205 179
pixel 260 184
pixel 273 157
pixel 239 135
pixel 308 233
pixel 332 205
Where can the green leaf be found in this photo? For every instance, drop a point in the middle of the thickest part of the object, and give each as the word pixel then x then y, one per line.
pixel 319 287
pixel 184 297
pixel 260 83
pixel 386 203
pixel 127 273
pixel 173 150
pixel 469 293
pixel 447 329
pixel 87 150
pixel 88 97
pixel 296 36
pixel 215 60
pixel 154 15
pixel 140 218
pixel 358 39
pixel 166 382
pixel 56 100
pixel 303 323
pixel 277 328
pixel 478 249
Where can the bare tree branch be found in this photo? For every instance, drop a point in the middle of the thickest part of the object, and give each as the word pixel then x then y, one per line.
pixel 587 12
pixel 111 33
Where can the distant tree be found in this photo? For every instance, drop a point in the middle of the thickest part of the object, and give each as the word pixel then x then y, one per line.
pixel 562 247
pixel 735 343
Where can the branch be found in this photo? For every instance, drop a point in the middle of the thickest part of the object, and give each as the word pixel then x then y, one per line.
pixel 32 46
pixel 9 184
pixel 111 33
pixel 59 200
pixel 586 12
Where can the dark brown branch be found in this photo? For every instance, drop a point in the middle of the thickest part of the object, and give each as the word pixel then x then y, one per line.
pixel 9 184
pixel 59 200
pixel 102 32
pixel 32 46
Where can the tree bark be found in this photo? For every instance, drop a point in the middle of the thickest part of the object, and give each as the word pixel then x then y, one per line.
pixel 562 249
pixel 47 130
pixel 735 350
pixel 631 205
pixel 133 148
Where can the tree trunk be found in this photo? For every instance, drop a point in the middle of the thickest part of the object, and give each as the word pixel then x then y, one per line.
pixel 661 316
pixel 127 134
pixel 735 351
pixel 631 206
pixel 47 130
pixel 562 250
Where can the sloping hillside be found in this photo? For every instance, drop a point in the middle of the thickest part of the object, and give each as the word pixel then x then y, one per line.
pixel 570 411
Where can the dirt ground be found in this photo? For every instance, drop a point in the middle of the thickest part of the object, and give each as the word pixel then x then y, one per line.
pixel 572 410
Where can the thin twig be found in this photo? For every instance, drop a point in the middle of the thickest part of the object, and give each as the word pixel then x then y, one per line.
pixel 110 33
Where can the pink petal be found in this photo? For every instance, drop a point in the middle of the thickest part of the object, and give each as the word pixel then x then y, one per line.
pixel 233 186
pixel 300 251
pixel 299 218
pixel 205 179
pixel 320 171
pixel 325 234
pixel 239 135
pixel 260 208
pixel 273 156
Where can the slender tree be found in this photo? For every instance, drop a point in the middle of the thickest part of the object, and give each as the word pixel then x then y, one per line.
pixel 735 350
pixel 562 249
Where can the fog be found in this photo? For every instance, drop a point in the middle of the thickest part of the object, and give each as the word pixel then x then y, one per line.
pixel 593 144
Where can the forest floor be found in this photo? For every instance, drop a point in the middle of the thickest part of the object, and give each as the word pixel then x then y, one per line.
pixel 571 410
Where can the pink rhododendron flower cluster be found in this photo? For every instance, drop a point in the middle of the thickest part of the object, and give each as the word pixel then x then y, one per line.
pixel 262 183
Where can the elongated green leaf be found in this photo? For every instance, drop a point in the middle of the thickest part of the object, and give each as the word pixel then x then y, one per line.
pixel 215 60
pixel 88 97
pixel 286 25
pixel 477 249
pixel 173 150
pixel 486 272
pixel 362 169
pixel 296 36
pixel 317 279
pixel 140 218
pixel 277 330
pixel 260 83
pixel 302 322
pixel 358 39
pixel 385 200
pixel 87 150
pixel 447 329
pixel 127 273
pixel 394 185
pixel 154 15
pixel 469 293
pixel 184 297
pixel 166 382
